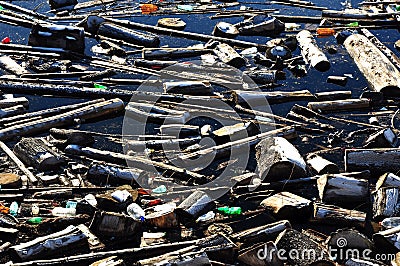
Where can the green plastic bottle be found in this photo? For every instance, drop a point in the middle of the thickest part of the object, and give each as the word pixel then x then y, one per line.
pixel 99 86
pixel 35 220
pixel 230 210
pixel 353 24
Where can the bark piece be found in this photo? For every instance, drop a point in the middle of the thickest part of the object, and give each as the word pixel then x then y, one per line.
pixel 388 240
pixel 291 240
pixel 115 225
pixel 388 180
pixel 263 233
pixel 8 234
pixel 197 204
pixel 264 254
pixel 261 98
pixel 162 219
pixel 385 138
pixel 11 66
pixel 288 205
pixel 10 180
pixel 321 166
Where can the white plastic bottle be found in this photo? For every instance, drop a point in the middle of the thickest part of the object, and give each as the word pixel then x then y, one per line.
pixel 63 212
pixel 135 211
pixel 35 210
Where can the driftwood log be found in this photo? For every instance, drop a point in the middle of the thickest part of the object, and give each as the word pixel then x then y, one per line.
pixel 375 160
pixel 32 179
pixel 290 240
pixel 228 55
pixel 388 180
pixel 87 112
pixel 36 152
pixel 380 73
pixel 286 205
pixel 329 214
pixel 339 105
pixel 278 159
pixel 341 189
pixel 310 51
pixel 48 245
pixel 386 202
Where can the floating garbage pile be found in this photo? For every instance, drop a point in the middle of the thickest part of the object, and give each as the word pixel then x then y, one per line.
pixel 204 172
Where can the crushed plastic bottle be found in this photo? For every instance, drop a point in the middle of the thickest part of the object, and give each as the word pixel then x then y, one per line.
pixel 136 212
pixel 159 190
pixel 1 8
pixel 14 208
pixel 99 86
pixel 206 217
pixel 230 210
pixel 6 40
pixel 71 204
pixel 188 8
pixel 35 220
pixel 121 195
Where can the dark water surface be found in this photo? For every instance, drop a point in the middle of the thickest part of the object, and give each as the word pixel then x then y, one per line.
pixel 315 81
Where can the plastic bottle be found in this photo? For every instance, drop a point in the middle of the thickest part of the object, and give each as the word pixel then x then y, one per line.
pixel 99 86
pixel 352 24
pixel 6 40
pixel 325 31
pixel 63 212
pixel 230 210
pixel 136 212
pixel 35 220
pixel 206 217
pixel 71 204
pixel 35 210
pixel 160 189
pixel 14 208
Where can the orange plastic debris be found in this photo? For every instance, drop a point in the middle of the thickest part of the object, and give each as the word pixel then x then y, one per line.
pixel 148 8
pixel 4 209
pixel 325 31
